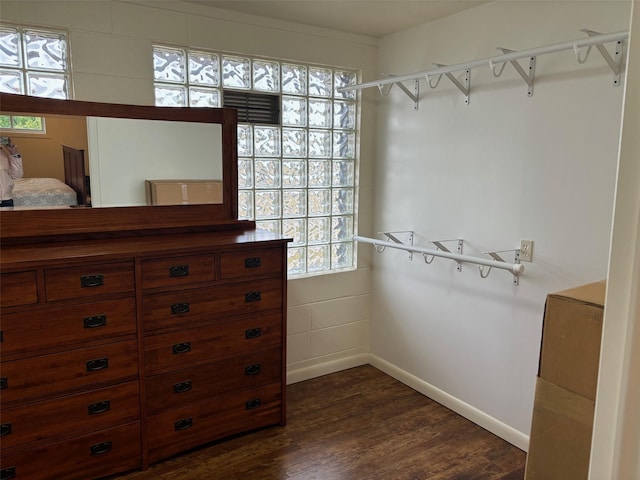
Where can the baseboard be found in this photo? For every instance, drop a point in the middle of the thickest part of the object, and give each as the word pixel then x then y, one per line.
pixel 478 417
pixel 326 367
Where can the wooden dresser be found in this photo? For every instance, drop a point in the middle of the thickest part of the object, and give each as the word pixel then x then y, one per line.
pixel 119 352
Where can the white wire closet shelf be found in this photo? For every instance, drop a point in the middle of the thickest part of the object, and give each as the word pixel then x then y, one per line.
pixel 581 47
pixel 516 268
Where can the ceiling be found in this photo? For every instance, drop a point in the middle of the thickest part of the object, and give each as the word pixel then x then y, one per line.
pixel 375 18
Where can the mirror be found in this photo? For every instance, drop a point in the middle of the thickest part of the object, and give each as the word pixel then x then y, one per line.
pixel 141 165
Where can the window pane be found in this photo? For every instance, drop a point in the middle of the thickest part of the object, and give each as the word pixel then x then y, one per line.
pixel 46 51
pixel 168 96
pixel 319 203
pixel 204 69
pixel 266 141
pixel 342 201
pixel 319 143
pixel 294 79
pixel 168 65
pixel 296 230
pixel 267 173
pixel 245 205
pixel 47 85
pixel 341 255
pixel 266 76
pixel 267 204
pixel 344 144
pixel 319 82
pixel 27 123
pixel 10 47
pixel 341 228
pixel 5 121
pixel 294 111
pixel 269 225
pixel 343 172
pixel 343 79
pixel 294 142
pixel 245 141
pixel 344 115
pixel 294 174
pixel 318 258
pixel 319 173
pixel 245 173
pixel 319 113
pixel 318 230
pixel 297 260
pixel 294 203
pixel 204 97
pixel 11 81
pixel 236 72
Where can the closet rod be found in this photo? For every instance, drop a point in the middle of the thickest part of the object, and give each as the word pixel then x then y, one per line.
pixel 506 57
pixel 514 268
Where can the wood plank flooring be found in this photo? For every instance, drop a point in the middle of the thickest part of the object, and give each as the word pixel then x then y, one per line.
pixel 359 424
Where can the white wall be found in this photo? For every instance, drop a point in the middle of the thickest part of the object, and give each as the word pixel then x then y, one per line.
pixel 504 168
pixel 112 62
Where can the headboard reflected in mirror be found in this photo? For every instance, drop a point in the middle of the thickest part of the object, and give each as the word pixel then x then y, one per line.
pixel 129 167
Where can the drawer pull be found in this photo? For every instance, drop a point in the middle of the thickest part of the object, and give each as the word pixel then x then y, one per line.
pixel 4 383
pixel 252 404
pixel 253 262
pixel 100 448
pixel 8 473
pixel 252 333
pixel 253 369
pixel 95 321
pixel 252 297
pixel 182 387
pixel 1 336
pixel 179 348
pixel 179 271
pixel 100 407
pixel 5 429
pixel 179 308
pixel 88 281
pixel 183 424
pixel 97 364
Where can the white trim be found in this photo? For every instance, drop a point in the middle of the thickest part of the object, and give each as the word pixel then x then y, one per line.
pixel 469 412
pixel 325 368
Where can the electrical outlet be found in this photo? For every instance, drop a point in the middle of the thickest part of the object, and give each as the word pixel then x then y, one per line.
pixel 526 250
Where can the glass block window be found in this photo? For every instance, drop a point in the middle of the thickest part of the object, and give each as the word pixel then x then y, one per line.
pixel 297 167
pixel 34 62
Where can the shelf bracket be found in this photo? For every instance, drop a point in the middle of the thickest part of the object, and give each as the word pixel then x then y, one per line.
pixel 464 86
pixel 395 239
pixel 414 96
pixel 498 258
pixel 526 76
pixel 615 62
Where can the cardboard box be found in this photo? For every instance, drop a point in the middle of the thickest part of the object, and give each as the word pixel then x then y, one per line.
pixel 183 192
pixel 560 440
pixel 571 336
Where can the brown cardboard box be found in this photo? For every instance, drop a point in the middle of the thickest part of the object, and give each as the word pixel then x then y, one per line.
pixel 183 192
pixel 562 424
pixel 561 429
pixel 571 335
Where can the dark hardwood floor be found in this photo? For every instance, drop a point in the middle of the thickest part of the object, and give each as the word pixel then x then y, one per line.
pixel 359 424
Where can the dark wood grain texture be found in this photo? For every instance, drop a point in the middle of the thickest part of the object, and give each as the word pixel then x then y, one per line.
pixel 359 424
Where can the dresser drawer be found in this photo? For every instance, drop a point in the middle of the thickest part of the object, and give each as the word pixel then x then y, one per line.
pixel 177 430
pixel 210 304
pixel 69 325
pixel 71 415
pixel 249 263
pixel 170 351
pixel 18 289
pixel 197 384
pixel 89 280
pixel 90 456
pixel 178 271
pixel 74 370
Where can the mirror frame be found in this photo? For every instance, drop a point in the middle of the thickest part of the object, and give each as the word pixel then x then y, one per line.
pixel 21 223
